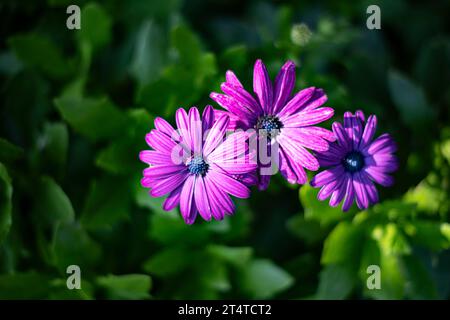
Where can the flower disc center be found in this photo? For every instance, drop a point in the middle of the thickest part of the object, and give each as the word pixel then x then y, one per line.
pixel 198 166
pixel 353 161
pixel 270 125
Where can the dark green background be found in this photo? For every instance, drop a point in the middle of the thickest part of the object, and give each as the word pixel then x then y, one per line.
pixel 75 107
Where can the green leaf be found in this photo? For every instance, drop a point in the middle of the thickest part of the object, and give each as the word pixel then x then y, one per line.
pixel 410 101
pixel 6 191
pixel 95 118
pixel 445 149
pixel 343 245
pixel 107 203
pixel 169 228
pixel 9 152
pixel 235 57
pixel 237 256
pixel 445 230
pixel 85 253
pixel 169 261
pixel 426 197
pixel 392 279
pixel 217 276
pixel 52 206
pixel 394 209
pixel 419 283
pixel 38 51
pixel 121 156
pixel 145 200
pixel 96 27
pixel 53 144
pixel 318 210
pixel 30 285
pixel 429 234
pixel 59 291
pixel 309 231
pixel 393 246
pixel 149 54
pixel 370 257
pixel 187 45
pixel 433 59
pixel 130 286
pixel 262 279
pixel 336 282
pixel 391 240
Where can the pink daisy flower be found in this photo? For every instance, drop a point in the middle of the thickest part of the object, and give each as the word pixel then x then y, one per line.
pixel 196 166
pixel 279 119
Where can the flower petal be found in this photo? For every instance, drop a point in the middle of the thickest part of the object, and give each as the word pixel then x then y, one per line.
pixel 263 182
pixel 284 84
pixel 207 118
pixel 215 135
pixel 164 186
pixel 298 153
pixel 195 130
pixel 383 144
pixel 308 118
pixel 369 131
pixel 385 162
pixel 297 102
pixel 327 189
pixel 233 106
pixel 182 121
pixel 160 141
pixel 362 200
pixel 379 176
pixel 349 194
pixel 309 141
pixel 201 199
pixel 229 185
pixel 342 138
pixel 220 202
pixel 154 157
pixel 242 96
pixel 371 190
pixel 339 193
pixel 353 128
pixel 233 147
pixel 360 115
pixel 327 176
pixel 286 168
pixel 320 132
pixel 173 199
pixel 163 171
pixel 232 79
pixel 187 203
pixel 165 127
pixel 262 86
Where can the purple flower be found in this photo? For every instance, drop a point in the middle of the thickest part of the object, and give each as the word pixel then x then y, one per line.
pixel 279 119
pixel 355 162
pixel 195 165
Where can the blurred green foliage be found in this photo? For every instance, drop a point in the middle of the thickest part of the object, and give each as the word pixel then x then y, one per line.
pixel 75 106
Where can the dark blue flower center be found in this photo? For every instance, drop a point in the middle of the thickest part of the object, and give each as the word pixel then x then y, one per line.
pixel 353 161
pixel 270 125
pixel 198 166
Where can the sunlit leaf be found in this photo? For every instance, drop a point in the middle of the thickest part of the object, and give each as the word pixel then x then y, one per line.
pixel 263 279
pixel 130 286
